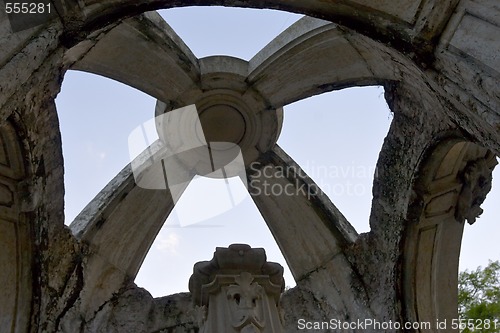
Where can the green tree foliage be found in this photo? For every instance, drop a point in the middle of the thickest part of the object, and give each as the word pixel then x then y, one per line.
pixel 479 298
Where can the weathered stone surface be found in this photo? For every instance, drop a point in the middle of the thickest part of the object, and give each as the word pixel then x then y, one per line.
pixel 135 310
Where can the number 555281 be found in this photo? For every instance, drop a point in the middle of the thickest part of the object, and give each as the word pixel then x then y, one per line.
pixel 27 8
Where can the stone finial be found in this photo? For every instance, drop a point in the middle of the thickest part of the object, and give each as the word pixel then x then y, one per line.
pixel 238 291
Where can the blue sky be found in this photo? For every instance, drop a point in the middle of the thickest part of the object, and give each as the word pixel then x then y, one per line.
pixel 335 137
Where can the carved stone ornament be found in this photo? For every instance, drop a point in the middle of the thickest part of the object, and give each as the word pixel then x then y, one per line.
pixel 238 291
pixel 477 178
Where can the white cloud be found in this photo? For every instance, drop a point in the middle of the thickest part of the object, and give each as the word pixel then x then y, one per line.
pixel 168 243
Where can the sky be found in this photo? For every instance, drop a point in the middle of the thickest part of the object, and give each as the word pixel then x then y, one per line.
pixel 335 137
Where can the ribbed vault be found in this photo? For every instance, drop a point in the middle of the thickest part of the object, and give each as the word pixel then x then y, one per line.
pixel 417 50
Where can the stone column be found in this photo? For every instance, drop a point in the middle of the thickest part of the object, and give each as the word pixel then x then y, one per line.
pixel 238 291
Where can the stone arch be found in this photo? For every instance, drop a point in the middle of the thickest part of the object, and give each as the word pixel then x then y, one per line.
pixel 354 61
pixel 411 22
pixel 15 237
pixel 454 180
pixel 461 67
pixel 115 258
